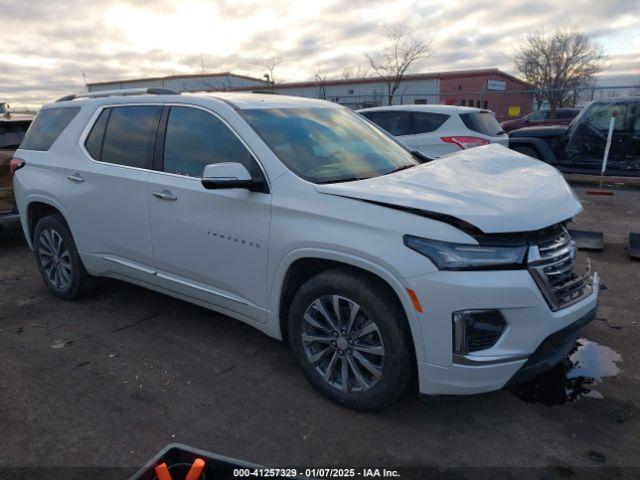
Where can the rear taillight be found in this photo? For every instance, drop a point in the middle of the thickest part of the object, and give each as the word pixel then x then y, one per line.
pixel 465 142
pixel 15 164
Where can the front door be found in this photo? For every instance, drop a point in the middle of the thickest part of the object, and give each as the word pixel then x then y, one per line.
pixel 210 245
pixel 633 152
pixel 588 138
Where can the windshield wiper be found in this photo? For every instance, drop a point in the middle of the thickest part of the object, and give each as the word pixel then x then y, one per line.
pixel 340 180
pixel 399 169
pixel 422 158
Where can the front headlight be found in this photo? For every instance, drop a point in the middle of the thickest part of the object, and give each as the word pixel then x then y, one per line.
pixel 458 256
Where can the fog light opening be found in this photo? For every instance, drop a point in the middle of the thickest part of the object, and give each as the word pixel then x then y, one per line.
pixel 475 330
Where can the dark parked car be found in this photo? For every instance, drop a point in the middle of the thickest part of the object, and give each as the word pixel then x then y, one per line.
pixel 12 130
pixel 579 148
pixel 563 116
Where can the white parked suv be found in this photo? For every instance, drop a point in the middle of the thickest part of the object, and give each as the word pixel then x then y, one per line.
pixel 435 130
pixel 300 218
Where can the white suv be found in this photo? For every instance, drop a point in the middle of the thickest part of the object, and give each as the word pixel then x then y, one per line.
pixel 436 130
pixel 300 218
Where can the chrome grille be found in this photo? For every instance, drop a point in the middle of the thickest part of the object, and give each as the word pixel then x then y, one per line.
pixel 551 262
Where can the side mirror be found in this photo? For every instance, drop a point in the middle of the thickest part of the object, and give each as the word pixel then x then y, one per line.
pixel 227 175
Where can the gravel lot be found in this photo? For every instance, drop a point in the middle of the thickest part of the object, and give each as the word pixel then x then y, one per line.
pixel 110 379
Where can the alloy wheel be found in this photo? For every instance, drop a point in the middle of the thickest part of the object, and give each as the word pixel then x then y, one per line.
pixel 342 343
pixel 55 259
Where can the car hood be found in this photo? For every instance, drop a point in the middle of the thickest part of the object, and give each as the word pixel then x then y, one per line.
pixel 540 131
pixel 492 188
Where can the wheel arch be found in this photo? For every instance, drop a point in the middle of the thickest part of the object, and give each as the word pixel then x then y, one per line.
pixel 37 208
pixel 538 145
pixel 299 266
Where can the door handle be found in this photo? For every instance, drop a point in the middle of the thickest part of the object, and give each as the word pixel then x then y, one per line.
pixel 75 178
pixel 165 195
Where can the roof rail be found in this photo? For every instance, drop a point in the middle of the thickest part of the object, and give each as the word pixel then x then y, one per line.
pixel 121 92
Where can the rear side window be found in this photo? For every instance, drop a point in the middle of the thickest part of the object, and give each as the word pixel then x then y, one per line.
pixel 395 123
pixel 130 136
pixel 196 138
pixel 12 133
pixel 96 136
pixel 481 122
pixel 47 127
pixel 424 122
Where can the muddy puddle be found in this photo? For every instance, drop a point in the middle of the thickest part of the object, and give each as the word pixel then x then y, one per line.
pixel 576 376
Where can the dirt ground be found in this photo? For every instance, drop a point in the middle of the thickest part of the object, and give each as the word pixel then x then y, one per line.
pixel 110 379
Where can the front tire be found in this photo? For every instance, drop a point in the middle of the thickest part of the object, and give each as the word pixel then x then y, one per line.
pixel 58 259
pixel 351 338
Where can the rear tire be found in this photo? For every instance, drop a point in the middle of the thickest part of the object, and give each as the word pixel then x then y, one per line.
pixel 527 151
pixel 362 360
pixel 58 259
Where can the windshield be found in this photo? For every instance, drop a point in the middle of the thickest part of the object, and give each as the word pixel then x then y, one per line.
pixel 326 145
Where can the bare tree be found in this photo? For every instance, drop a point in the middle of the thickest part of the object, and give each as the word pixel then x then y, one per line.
pixel 560 65
pixel 350 73
pixel 403 50
pixel 321 81
pixel 269 66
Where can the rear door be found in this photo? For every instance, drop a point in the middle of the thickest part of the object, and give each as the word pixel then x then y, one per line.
pixel 210 245
pixel 633 150
pixel 105 190
pixel 426 127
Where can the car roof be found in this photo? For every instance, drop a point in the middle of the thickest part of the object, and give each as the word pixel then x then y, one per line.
pixel 261 100
pixel 239 100
pixel 432 108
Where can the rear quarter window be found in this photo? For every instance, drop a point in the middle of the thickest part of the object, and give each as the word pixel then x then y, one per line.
pixel 481 122
pixel 47 127
pixel 96 136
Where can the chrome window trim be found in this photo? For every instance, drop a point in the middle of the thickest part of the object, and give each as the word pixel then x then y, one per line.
pixel 91 123
pixel 94 117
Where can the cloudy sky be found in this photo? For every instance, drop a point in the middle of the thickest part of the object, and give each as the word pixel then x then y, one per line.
pixel 51 46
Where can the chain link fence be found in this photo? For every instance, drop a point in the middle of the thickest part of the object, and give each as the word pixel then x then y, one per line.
pixel 505 104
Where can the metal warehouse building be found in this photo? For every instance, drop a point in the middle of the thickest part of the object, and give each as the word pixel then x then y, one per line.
pixel 489 88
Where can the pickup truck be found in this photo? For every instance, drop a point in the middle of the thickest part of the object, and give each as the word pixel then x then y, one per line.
pixel 579 147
